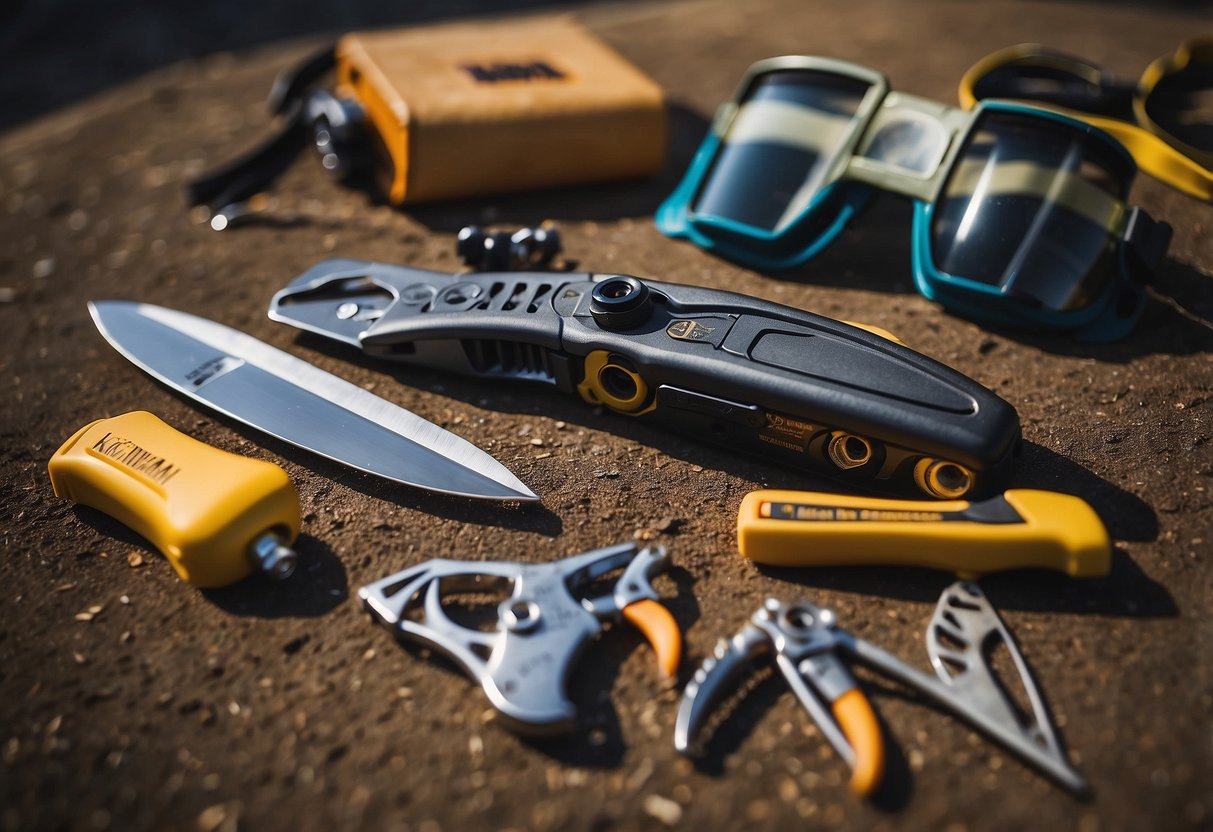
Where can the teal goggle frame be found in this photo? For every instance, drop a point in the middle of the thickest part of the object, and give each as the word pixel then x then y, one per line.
pixel 1020 213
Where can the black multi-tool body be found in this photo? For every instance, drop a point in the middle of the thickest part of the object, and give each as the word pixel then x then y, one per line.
pixel 761 378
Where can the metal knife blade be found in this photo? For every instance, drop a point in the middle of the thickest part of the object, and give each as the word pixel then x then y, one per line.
pixel 286 397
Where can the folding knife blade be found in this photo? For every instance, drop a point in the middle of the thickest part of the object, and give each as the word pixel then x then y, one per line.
pixel 272 391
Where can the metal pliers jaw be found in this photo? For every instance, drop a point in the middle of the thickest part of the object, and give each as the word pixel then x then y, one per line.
pixel 813 653
pixel 523 662
pixel 802 638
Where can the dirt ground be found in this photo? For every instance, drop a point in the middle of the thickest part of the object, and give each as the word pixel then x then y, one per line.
pixel 280 706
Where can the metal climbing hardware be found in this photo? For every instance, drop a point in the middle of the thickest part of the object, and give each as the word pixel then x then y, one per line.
pixel 523 662
pixel 813 653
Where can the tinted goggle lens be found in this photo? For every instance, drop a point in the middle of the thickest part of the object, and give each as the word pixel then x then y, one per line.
pixel 1031 207
pixel 790 127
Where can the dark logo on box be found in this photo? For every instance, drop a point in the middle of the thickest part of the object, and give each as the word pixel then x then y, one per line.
pixel 496 72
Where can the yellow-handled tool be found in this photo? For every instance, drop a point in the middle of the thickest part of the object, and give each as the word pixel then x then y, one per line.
pixel 1022 528
pixel 215 515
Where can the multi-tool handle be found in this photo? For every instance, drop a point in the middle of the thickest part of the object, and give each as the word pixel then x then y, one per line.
pixel 524 661
pixel 812 392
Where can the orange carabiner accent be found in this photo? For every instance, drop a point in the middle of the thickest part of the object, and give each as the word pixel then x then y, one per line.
pixel 858 721
pixel 660 628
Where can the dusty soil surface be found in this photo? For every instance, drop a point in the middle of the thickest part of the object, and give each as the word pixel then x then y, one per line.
pixel 279 706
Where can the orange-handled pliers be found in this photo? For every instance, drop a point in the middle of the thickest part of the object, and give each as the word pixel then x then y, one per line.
pixel 813 653
pixel 803 639
pixel 543 626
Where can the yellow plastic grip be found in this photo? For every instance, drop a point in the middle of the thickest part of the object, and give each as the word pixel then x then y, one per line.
pixel 1023 528
pixel 660 628
pixel 203 508
pixel 858 722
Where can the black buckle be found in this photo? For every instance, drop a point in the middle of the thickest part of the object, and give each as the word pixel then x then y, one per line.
pixel 224 188
pixel 1146 241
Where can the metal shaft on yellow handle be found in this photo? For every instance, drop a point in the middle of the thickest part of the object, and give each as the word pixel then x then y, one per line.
pixel 1022 528
pixel 215 515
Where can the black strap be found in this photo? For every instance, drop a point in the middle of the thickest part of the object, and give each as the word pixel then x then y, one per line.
pixel 1047 76
pixel 240 178
pixel 291 84
pixel 1146 240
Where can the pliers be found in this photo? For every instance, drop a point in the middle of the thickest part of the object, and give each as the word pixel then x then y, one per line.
pixel 812 652
pixel 524 661
pixel 803 639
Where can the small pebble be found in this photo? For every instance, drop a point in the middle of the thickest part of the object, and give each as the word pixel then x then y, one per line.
pixel 44 268
pixel 662 809
pixel 212 818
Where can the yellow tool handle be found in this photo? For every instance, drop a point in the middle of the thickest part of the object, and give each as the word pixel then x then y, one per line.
pixel 660 628
pixel 215 515
pixel 1020 529
pixel 858 722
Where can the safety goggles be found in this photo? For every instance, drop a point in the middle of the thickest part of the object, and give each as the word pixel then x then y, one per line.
pixel 1165 120
pixel 1020 213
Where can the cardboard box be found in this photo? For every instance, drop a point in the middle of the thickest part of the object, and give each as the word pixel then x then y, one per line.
pixel 467 109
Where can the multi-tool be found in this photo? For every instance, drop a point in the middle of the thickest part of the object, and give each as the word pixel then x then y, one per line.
pixel 814 654
pixel 523 662
pixel 761 378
